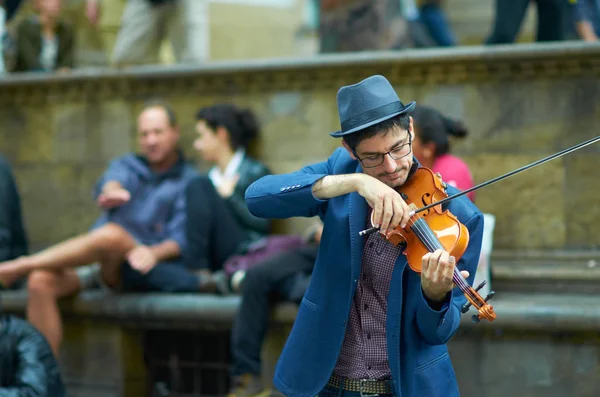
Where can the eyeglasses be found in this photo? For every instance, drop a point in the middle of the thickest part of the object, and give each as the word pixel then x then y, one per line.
pixel 396 154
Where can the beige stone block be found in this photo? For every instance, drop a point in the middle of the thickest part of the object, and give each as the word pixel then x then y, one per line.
pixel 523 118
pixel 252 31
pixel 111 130
pixel 529 207
pixel 102 357
pixel 582 212
pixel 57 201
pixel 296 127
pixel 70 133
pixel 35 142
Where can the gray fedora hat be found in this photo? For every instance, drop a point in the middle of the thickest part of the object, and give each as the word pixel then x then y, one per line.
pixel 369 102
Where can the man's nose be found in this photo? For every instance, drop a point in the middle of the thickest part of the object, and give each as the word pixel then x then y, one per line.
pixel 389 163
pixel 151 140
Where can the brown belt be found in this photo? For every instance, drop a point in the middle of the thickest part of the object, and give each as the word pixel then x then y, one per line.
pixel 365 387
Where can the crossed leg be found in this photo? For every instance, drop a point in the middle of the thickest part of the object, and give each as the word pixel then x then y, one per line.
pixel 51 273
pixel 106 245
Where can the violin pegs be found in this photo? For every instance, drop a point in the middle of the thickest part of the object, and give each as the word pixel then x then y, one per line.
pixel 480 286
pixel 490 296
pixel 475 319
pixel 465 307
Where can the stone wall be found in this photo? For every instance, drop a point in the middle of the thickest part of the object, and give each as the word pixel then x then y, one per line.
pixel 521 103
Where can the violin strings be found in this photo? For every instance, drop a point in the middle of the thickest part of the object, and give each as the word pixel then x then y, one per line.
pixel 430 241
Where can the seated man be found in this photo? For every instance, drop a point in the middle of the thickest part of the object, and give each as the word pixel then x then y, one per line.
pixel 283 277
pixel 138 239
pixel 27 366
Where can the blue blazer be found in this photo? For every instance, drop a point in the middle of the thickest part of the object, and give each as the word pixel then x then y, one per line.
pixel 416 334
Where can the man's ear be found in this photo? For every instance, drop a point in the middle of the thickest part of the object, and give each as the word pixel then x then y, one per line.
pixel 411 129
pixel 176 130
pixel 350 151
pixel 222 134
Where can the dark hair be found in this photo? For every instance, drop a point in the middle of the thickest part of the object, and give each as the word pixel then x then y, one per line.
pixel 157 103
pixel 401 121
pixel 241 124
pixel 433 126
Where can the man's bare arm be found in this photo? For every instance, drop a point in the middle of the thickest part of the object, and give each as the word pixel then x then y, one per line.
pixel 337 185
pixel 168 249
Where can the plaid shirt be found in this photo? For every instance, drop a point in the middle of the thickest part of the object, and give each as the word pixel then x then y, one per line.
pixel 364 350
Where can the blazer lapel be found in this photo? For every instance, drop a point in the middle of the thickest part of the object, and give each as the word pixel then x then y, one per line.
pixel 357 214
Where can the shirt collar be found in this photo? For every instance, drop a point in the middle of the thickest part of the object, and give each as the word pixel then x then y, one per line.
pixel 231 170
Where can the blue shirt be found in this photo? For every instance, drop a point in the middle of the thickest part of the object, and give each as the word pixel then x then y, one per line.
pixel 156 210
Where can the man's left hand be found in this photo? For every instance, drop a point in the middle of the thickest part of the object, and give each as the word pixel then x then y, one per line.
pixel 142 259
pixel 436 275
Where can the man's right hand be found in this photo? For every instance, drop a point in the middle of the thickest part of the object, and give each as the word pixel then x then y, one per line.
pixel 113 198
pixel 389 209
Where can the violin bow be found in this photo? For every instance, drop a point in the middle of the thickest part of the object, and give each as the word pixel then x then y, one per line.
pixel 563 152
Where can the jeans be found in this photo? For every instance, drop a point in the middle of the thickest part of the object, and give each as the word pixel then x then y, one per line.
pixel 510 14
pixel 280 278
pixel 164 277
pixel 433 18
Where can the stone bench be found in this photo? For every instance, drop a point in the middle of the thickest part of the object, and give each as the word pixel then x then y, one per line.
pixel 526 312
pixel 106 336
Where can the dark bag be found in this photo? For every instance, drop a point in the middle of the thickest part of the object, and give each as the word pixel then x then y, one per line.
pixel 261 250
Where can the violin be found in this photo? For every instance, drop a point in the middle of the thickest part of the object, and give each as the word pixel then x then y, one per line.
pixel 431 228
pixel 435 229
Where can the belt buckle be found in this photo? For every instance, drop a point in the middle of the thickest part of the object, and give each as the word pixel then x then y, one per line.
pixel 360 387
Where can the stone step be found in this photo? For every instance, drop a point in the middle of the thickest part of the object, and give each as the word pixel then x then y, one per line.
pixel 546 271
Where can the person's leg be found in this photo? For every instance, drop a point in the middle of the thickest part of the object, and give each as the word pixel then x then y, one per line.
pixel 507 22
pixel 552 22
pixel 189 31
pixel 434 19
pixel 167 277
pixel 107 244
pixel 212 231
pixel 44 288
pixel 140 34
pixel 263 284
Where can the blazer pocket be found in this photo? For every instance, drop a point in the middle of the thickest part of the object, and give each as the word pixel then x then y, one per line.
pixel 431 363
pixel 436 378
pixel 309 304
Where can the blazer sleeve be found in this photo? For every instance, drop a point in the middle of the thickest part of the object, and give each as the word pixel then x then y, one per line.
pixel 66 55
pixel 289 195
pixel 238 204
pixel 438 326
pixel 28 56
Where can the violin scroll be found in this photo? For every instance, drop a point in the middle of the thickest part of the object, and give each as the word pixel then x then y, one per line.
pixel 486 311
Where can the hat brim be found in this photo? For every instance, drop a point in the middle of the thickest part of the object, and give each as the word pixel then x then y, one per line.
pixel 407 109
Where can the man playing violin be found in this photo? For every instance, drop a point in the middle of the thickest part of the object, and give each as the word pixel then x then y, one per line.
pixel 368 324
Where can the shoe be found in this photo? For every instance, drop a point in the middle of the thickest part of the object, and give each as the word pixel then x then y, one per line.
pixel 222 282
pixel 248 385
pixel 206 282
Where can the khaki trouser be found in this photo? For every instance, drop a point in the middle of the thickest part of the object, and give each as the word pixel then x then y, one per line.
pixel 144 27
